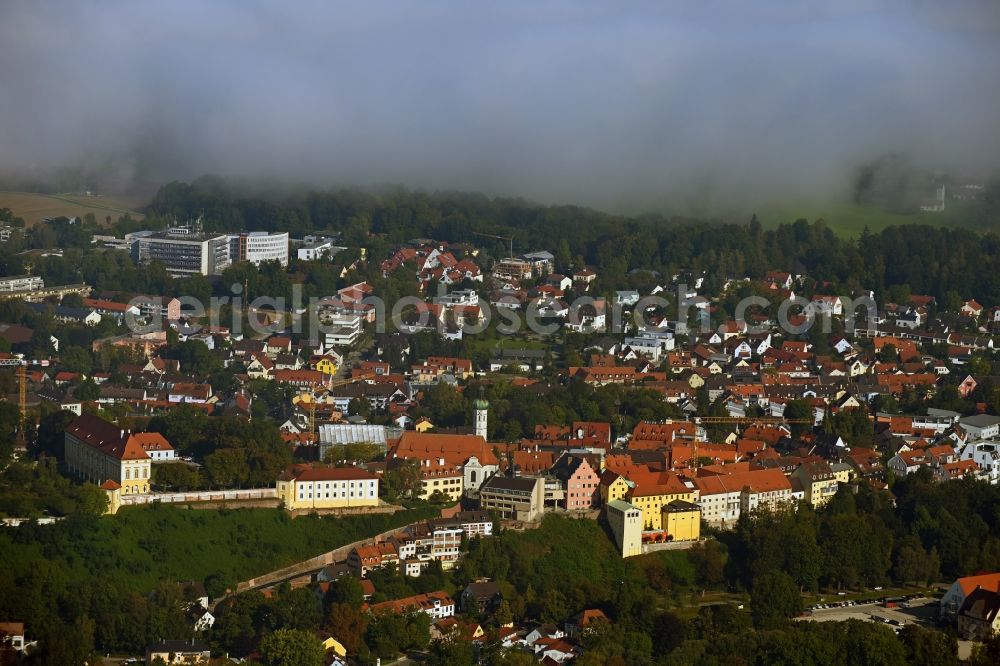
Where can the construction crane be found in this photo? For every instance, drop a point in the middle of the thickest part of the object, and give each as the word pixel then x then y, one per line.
pixel 22 391
pixel 509 239
pixel 22 405
pixel 747 420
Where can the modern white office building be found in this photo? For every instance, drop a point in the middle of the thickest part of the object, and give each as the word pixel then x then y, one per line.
pixel 259 246
pixel 184 252
pixel 316 249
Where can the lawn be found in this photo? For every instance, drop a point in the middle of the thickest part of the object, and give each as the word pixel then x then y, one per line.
pixel 36 207
pixel 143 545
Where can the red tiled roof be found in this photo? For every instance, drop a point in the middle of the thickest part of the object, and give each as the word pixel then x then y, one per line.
pixel 455 449
pixel 767 480
pixel 304 473
pixel 416 602
pixel 106 437
pixel 990 581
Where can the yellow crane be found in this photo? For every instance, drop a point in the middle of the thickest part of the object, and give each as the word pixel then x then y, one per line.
pixel 747 420
pixel 22 405
pixel 22 393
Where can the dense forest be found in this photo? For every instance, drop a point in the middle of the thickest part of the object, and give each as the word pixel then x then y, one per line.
pixel 626 251
pixel 928 260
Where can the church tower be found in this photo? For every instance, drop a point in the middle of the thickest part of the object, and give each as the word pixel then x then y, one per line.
pixel 481 407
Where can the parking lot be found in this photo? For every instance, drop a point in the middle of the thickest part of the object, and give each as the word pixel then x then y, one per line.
pixel 919 610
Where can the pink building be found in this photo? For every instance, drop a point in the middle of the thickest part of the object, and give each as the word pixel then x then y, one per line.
pixel 580 479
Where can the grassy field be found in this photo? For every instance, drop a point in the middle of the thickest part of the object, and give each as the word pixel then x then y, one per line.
pixel 144 545
pixel 846 219
pixel 36 207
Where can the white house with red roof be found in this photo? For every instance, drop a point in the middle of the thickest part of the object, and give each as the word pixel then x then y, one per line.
pixel 972 308
pixel 953 599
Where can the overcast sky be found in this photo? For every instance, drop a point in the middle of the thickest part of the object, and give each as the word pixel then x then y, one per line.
pixel 577 102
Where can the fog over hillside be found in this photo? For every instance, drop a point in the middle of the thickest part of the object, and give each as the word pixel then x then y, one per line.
pixel 654 104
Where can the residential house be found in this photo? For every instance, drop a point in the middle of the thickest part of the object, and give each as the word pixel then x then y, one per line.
pixel 979 616
pixel 580 480
pixel 179 652
pixel 986 456
pixel 12 636
pixel 905 463
pixel 481 596
pixel 724 497
pixel 585 621
pixel 955 597
pixel 613 486
pixel 818 481
pixel 437 605
pixel 184 392
pixel 972 308
pixel 363 559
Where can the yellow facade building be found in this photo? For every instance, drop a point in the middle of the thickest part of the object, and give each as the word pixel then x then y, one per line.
pixel 114 494
pixel 818 481
pixel 613 486
pixel 327 365
pixel 682 521
pixel 97 450
pixel 651 494
pixel 327 488
pixel 442 478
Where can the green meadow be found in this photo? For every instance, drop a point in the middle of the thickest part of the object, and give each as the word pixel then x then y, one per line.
pixel 143 545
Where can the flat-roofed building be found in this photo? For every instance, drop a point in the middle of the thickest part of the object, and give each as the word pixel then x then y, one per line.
pixel 341 330
pixel 318 249
pixel 522 498
pixel 184 252
pixel 168 308
pixel 22 283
